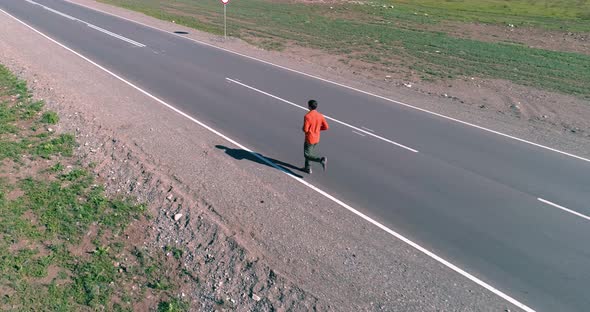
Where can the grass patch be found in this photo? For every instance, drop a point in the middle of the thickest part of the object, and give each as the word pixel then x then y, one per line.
pixel 377 34
pixel 175 305
pixel 11 150
pixel 66 208
pixel 174 251
pixel 57 167
pixel 50 118
pixel 46 216
pixel 62 145
pixel 272 45
pixel 10 85
pixel 569 15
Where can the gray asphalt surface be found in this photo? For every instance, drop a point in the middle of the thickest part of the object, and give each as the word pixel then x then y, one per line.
pixel 470 196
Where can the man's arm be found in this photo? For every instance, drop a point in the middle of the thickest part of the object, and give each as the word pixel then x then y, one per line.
pixel 305 125
pixel 324 124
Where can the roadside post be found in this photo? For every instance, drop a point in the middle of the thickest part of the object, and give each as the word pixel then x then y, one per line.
pixel 225 2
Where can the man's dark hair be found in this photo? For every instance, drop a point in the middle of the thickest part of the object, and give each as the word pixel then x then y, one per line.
pixel 312 104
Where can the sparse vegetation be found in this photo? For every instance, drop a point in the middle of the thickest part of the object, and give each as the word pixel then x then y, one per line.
pixel 50 118
pixel 172 306
pixel 565 15
pixel 174 251
pixel 395 36
pixel 48 210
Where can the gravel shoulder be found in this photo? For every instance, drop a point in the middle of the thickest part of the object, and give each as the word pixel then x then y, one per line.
pixel 255 239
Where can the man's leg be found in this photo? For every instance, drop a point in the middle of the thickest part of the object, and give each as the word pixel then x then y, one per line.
pixel 308 152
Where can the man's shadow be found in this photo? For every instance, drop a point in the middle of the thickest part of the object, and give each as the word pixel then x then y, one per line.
pixel 240 154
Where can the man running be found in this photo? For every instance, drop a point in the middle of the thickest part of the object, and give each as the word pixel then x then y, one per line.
pixel 313 123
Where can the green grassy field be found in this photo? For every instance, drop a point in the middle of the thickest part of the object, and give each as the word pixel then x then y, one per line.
pixel 568 15
pixel 45 215
pixel 391 38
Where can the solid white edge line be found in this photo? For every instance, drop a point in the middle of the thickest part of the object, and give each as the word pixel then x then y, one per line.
pixel 141 45
pixel 337 201
pixel 327 117
pixel 336 83
pixel 368 129
pixel 564 209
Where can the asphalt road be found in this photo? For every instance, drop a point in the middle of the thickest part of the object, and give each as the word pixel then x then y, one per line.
pixel 468 195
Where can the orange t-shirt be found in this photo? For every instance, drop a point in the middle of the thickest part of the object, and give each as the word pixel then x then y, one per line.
pixel 313 123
